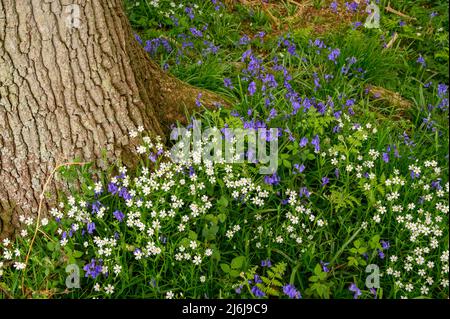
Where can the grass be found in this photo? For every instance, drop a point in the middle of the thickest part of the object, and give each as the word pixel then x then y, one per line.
pixel 375 193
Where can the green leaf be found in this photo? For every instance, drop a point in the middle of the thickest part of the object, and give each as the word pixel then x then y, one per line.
pixel 318 269
pixel 226 268
pixel 192 235
pixel 287 164
pixel 222 217
pixel 77 254
pixel 223 201
pixel 237 262
pixel 51 246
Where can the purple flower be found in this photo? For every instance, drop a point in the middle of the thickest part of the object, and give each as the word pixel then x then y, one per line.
pixel 356 25
pixel 244 40
pixel 90 227
pixel 325 181
pixel 273 179
pixel 266 263
pixel 257 292
pixel 257 279
pixel 334 54
pixel 350 102
pixel 118 215
pixel 373 291
pixel 252 88
pixel 380 253
pixel 290 291
pixel 124 193
pixel 113 188
pixel 421 60
pixel 324 266
pixel 238 290
pixel 336 172
pixel 384 244
pixel 316 142
pixel 442 90
pixel 93 269
pixel 304 192
pixel 334 6
pixel 195 32
pixel 197 100
pixel 303 142
pixel 355 290
pixel 386 157
pixel 298 168
pixel 228 84
pixel 402 23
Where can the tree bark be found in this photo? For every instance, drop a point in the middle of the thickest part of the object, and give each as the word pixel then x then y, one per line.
pixel 73 83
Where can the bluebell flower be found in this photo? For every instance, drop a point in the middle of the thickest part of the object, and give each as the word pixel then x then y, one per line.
pixel 334 6
pixel 290 291
pixel 257 292
pixel 356 291
pixel 384 244
pixel 421 61
pixel 324 266
pixel 228 84
pixel 442 90
pixel 90 227
pixel 298 168
pixel 334 54
pixel 304 192
pixel 386 157
pixel 252 88
pixel 273 179
pixel 244 40
pixel 118 215
pixel 316 142
pixel 266 263
pixel 303 142
pixel 113 188
pixel 93 269
pixel 325 181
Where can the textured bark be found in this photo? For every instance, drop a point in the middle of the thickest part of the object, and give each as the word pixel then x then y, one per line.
pixel 71 92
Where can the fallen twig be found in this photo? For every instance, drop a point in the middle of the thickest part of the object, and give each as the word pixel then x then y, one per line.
pixel 392 10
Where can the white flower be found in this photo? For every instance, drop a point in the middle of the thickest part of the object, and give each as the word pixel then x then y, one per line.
pixel 208 252
pixel 169 295
pixel 6 242
pixel 193 244
pixel 109 289
pixel 197 260
pixel 117 269
pixel 19 265
pixel 202 278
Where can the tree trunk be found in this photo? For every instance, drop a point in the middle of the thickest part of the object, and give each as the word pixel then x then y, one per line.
pixel 73 82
